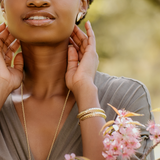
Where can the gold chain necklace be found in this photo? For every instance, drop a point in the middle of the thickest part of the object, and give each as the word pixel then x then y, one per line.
pixel 25 124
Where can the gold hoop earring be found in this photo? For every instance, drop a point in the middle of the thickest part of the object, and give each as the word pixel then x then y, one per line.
pixel 80 14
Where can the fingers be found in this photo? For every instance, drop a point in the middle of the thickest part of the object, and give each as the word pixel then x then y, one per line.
pixel 2 62
pixel 3 37
pixel 18 62
pixel 2 26
pixel 8 42
pixel 80 38
pixel 78 35
pixel 90 33
pixel 4 34
pixel 8 61
pixel 80 55
pixel 71 41
pixel 72 58
pixel 13 47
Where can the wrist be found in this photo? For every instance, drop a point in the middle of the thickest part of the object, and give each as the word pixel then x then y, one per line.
pixel 5 86
pixel 84 88
pixel 5 90
pixel 86 96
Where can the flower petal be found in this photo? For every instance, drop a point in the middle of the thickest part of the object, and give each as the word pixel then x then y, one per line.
pixel 130 114
pixel 116 110
pixel 107 130
pixel 136 123
pixel 107 125
pixel 156 110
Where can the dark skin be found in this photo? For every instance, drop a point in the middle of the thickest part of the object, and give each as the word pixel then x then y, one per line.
pixel 51 69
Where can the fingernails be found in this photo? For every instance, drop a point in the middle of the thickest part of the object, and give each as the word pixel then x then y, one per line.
pixel 89 22
pixel 7 28
pixel 18 41
pixel 2 23
pixel 70 45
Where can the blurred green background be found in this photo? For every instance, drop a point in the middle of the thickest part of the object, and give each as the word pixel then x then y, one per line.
pixel 128 41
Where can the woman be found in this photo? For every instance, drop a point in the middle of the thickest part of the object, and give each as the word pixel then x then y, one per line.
pixel 33 93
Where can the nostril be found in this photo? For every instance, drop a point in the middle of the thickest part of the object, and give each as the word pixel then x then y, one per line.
pixel 39 5
pixel 31 4
pixel 45 5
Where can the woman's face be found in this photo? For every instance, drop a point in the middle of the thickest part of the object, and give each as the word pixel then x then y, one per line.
pixel 41 21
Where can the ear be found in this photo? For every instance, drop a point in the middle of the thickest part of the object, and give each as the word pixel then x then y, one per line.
pixel 2 6
pixel 3 10
pixel 83 6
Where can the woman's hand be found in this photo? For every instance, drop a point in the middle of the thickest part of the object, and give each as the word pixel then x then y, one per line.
pixel 83 50
pixel 10 77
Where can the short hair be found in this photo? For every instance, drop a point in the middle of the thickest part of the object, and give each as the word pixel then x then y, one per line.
pixel 90 1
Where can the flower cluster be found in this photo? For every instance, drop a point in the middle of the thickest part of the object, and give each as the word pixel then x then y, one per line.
pixel 122 137
pixel 154 130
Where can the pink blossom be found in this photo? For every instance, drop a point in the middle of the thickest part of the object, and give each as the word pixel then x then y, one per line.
pixel 126 154
pixel 108 156
pixel 123 139
pixel 122 112
pixel 71 156
pixel 154 130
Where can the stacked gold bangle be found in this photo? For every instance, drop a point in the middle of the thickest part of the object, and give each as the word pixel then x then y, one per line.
pixel 92 112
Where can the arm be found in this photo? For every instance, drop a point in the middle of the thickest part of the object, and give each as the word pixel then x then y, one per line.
pixel 79 79
pixel 90 128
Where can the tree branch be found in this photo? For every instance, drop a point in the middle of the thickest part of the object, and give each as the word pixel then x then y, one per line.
pixel 150 149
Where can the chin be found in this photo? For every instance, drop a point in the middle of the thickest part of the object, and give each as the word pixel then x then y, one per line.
pixel 41 37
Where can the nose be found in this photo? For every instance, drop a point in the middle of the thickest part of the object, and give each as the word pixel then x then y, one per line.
pixel 38 3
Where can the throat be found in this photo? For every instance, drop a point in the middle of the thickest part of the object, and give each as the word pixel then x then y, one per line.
pixel 45 64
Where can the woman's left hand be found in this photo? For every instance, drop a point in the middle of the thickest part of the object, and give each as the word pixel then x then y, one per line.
pixel 82 58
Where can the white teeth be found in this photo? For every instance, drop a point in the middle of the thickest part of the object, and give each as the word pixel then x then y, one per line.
pixel 38 17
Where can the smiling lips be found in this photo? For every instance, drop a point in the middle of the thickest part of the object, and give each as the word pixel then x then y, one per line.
pixel 38 18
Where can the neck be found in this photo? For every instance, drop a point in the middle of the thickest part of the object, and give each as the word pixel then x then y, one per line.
pixel 45 68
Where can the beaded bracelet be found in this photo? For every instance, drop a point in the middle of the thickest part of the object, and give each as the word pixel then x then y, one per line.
pixel 90 110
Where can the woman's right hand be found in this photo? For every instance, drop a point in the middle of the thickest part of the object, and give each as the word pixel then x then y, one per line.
pixel 10 77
